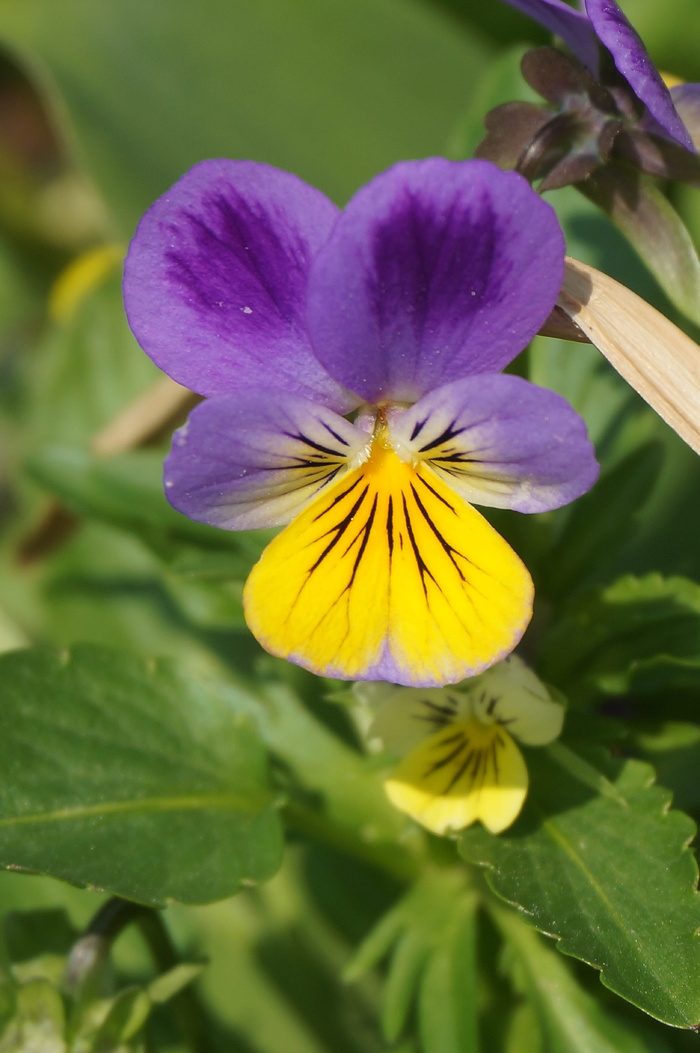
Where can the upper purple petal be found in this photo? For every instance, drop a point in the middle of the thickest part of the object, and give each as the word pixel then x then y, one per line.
pixel 215 280
pixel 572 26
pixel 435 270
pixel 256 458
pixel 632 60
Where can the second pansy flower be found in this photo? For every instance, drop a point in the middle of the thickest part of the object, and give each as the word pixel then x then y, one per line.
pixel 250 287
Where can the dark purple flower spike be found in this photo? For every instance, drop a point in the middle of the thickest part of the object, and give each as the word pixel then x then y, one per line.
pixel 610 102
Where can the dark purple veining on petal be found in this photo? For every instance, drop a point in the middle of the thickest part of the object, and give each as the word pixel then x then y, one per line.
pixel 419 269
pixel 215 280
pixel 502 442
pixel 436 270
pixel 256 458
pixel 225 265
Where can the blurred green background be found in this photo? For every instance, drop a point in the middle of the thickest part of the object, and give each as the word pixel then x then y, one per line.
pixel 104 104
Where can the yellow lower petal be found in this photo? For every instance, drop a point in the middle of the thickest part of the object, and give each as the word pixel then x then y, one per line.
pixel 389 575
pixel 458 775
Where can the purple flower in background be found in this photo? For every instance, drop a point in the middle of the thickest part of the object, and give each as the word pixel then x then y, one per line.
pixel 612 100
pixel 351 362
pixel 604 30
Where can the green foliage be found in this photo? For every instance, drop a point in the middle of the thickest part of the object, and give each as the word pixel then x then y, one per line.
pixel 640 634
pixel 430 938
pixel 337 780
pixel 70 1002
pixel 567 863
pixel 87 368
pixel 127 492
pixel 650 223
pixel 569 1019
pixel 135 780
pixel 600 523
pixel 191 85
pixel 501 82
pixel 674 750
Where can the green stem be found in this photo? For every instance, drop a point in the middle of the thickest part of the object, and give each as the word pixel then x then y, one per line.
pixel 584 772
pixel 185 1006
pixel 91 949
pixel 394 860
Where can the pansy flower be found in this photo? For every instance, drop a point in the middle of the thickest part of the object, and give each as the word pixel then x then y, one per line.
pixel 351 366
pixel 610 101
pixel 460 761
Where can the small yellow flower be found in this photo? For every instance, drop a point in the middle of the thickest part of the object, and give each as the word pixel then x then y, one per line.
pixel 459 761
pixel 670 79
pixel 81 277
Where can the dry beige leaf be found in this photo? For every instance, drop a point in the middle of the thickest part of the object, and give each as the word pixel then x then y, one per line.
pixel 649 351
pixel 163 405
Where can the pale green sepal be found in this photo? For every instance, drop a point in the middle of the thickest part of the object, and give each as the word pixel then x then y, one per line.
pixel 644 215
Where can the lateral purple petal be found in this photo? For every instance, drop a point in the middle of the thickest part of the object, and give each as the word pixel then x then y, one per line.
pixel 435 270
pixel 632 60
pixel 256 458
pixel 215 280
pixel 502 442
pixel 571 25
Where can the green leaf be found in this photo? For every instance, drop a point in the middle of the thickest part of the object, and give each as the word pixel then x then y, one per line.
pixel 347 791
pixel 571 1021
pixel 40 1021
pixel 430 938
pixel 579 372
pixel 334 92
pixel 165 987
pixel 647 219
pixel 673 749
pixel 638 632
pixel 408 961
pixel 127 491
pixel 210 604
pixel 612 879
pixel 8 1004
pixel 126 775
pixel 30 933
pixel 274 968
pixel 665 536
pixel 205 568
pixel 524 1033
pixel 103 587
pixel 601 521
pixel 594 239
pixel 20 298
pixel 447 1008
pixel 348 893
pixel 127 1015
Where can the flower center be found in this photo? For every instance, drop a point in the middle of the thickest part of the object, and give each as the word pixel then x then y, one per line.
pixel 377 420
